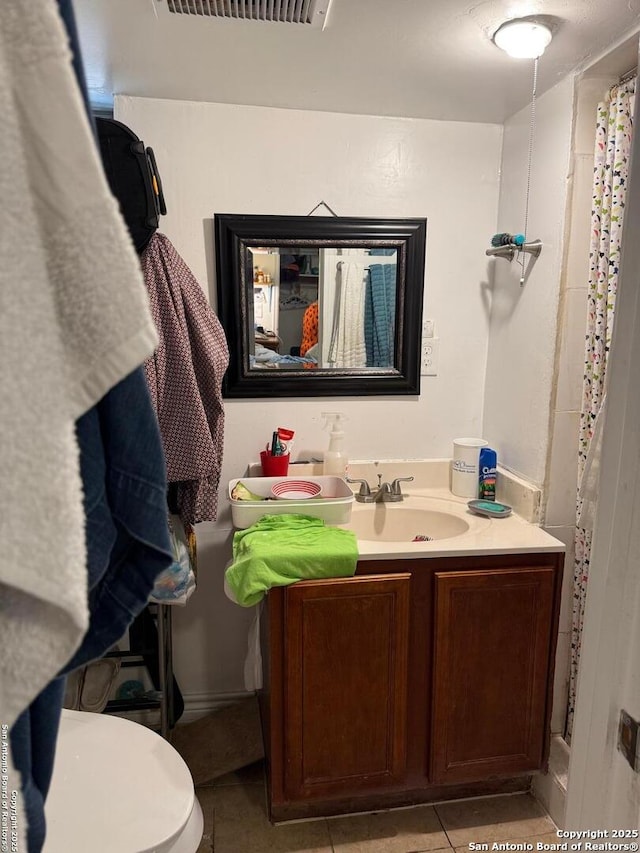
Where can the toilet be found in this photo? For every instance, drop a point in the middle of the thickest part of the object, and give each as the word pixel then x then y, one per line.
pixel 118 786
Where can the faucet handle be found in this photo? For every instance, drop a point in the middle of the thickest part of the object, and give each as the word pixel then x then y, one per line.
pixel 365 491
pixel 395 486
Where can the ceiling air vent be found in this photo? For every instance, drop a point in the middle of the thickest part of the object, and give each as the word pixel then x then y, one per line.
pixel 311 12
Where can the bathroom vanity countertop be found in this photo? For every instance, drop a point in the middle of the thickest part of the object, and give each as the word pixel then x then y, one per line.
pixel 518 533
pixel 485 536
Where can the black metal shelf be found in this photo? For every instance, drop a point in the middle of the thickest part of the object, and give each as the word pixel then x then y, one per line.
pixel 159 664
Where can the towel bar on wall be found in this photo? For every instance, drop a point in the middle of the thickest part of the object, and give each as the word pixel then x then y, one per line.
pixel 533 248
pixel 510 250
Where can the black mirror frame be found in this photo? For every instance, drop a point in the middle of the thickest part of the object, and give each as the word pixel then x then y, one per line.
pixel 234 233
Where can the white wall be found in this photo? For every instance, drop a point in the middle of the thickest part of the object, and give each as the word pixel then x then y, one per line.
pixel 216 158
pixel 520 365
pixel 519 416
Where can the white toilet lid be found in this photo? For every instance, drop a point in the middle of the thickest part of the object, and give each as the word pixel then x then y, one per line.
pixel 116 786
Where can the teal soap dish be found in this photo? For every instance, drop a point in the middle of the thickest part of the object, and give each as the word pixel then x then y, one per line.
pixel 490 509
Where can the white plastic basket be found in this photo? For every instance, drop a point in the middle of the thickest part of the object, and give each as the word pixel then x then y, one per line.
pixel 334 506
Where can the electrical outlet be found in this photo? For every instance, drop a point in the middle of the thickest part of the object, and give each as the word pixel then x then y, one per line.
pixel 628 740
pixel 429 357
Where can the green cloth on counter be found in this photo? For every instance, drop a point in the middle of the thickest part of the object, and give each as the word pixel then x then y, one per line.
pixel 281 549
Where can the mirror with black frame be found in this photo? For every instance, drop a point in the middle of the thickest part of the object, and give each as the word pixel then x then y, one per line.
pixel 320 306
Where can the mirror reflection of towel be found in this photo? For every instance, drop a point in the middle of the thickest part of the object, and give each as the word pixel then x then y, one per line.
pixel 379 315
pixel 347 341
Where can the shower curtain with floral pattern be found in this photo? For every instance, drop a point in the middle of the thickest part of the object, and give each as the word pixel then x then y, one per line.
pixel 611 166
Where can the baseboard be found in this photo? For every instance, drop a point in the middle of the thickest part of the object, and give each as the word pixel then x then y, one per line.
pixel 551 788
pixel 196 705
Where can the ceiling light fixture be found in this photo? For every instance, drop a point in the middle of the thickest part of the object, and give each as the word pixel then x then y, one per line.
pixel 522 39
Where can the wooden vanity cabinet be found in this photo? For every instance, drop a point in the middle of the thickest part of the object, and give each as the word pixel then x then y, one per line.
pixel 344 671
pixel 413 681
pixel 493 637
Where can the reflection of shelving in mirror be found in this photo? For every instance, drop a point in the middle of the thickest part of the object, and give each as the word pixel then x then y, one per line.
pixel 263 263
pixel 299 286
pixel 298 290
pixel 265 267
pixel 261 277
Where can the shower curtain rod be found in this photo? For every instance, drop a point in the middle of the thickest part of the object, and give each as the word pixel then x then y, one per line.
pixel 629 75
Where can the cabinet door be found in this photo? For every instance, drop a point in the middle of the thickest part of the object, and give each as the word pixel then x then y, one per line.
pixel 345 684
pixel 493 635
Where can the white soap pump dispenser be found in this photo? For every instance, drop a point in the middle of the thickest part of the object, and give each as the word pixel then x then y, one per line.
pixel 336 461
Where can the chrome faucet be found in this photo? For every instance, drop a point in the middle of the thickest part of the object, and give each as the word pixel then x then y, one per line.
pixel 383 494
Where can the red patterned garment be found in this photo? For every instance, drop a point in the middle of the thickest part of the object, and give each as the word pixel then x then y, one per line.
pixel 185 379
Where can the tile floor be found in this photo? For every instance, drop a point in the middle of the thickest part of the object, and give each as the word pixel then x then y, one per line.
pixel 235 821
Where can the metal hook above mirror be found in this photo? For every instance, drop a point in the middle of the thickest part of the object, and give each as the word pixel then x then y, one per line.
pixel 322 204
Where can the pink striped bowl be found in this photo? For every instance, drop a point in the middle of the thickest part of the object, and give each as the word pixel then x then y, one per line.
pixel 296 490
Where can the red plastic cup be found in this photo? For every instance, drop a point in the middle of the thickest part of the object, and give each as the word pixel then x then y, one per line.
pixel 274 466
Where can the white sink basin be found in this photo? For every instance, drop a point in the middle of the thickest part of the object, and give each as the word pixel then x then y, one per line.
pixel 411 518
